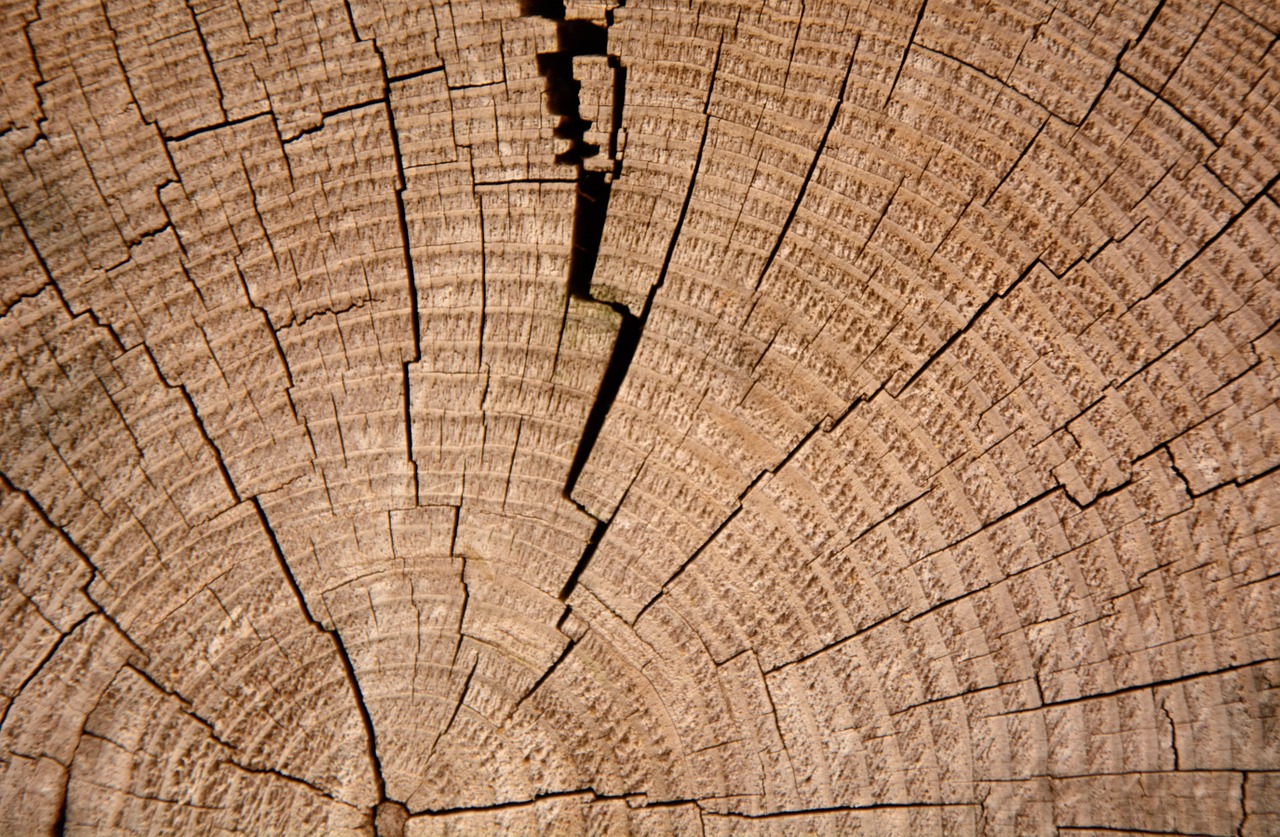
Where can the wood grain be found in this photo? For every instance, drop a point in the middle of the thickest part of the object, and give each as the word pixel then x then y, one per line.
pixel 639 418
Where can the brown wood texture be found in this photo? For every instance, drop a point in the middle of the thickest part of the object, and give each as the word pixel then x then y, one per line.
pixel 807 416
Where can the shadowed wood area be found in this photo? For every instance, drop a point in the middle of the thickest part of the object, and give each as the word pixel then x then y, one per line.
pixel 646 417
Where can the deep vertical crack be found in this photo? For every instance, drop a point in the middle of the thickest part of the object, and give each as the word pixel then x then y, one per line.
pixel 402 219
pixel 630 329
pixel 589 219
pixel 591 205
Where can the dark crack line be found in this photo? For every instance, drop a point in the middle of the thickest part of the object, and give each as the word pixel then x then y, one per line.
pixel 270 771
pixel 589 793
pixel 520 803
pixel 831 646
pixel 964 329
pixel 1173 733
pixel 1213 239
pixel 588 552
pixel 724 524
pixel 843 809
pixel 208 56
pixel 462 611
pixel 339 646
pixel 1022 155
pixel 546 675
pixel 576 38
pixel 462 698
pixel 813 165
pixel 1126 690
pixel 408 434
pixel 671 580
pixel 1244 803
pixel 188 708
pixel 906 51
pixel 183 137
pixel 35 672
pixel 829 552
pixel 94 573
pixel 961 696
pixel 402 220
pixel 384 99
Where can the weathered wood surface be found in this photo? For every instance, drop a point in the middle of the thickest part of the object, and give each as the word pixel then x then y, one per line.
pixel 813 416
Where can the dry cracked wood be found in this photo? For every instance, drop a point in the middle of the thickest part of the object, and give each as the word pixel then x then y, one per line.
pixel 563 417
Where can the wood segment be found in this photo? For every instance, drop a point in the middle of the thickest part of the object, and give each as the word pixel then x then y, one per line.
pixel 562 417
